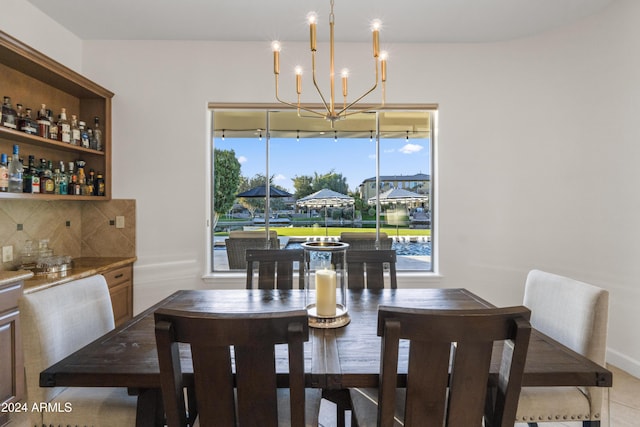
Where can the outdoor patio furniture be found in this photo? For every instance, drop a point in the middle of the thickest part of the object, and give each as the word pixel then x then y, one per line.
pixel 239 241
pixel 365 240
pixel 275 268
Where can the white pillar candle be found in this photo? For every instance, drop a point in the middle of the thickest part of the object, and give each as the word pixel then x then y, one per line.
pixel 326 292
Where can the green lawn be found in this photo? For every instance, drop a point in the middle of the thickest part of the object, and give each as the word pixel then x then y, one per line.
pixel 335 231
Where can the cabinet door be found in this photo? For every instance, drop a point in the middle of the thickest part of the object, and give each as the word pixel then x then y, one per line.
pixel 120 281
pixel 11 361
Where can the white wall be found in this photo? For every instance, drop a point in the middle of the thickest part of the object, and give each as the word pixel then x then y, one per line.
pixel 538 154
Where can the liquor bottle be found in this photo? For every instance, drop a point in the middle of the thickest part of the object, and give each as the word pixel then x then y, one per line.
pixel 15 172
pixel 9 118
pixel 74 188
pixel 62 183
pixel 75 130
pixel 27 124
pixel 84 134
pixel 19 116
pixel 92 139
pixel 99 186
pixel 89 188
pixel 82 181
pixel 44 124
pixel 97 134
pixel 4 174
pixel 46 178
pixel 53 128
pixel 64 128
pixel 31 178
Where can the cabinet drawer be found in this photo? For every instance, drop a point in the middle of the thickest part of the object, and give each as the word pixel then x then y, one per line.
pixel 9 296
pixel 119 275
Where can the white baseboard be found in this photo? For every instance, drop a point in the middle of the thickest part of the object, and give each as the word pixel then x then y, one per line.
pixel 623 362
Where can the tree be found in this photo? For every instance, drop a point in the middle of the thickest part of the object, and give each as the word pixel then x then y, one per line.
pixel 226 178
pixel 331 180
pixel 303 186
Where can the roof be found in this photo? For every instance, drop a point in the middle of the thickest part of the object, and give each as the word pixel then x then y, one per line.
pixel 416 177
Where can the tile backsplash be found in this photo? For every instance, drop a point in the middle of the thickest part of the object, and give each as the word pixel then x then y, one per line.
pixel 74 228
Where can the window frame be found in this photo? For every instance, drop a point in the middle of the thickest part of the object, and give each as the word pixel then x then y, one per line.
pixel 433 201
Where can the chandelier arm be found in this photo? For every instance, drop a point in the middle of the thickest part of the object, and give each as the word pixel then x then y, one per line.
pixel 315 82
pixel 375 85
pixel 296 106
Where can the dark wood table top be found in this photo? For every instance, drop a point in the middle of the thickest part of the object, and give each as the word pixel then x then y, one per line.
pixel 334 358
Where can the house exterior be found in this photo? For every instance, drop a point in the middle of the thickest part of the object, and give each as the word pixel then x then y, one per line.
pixel 418 183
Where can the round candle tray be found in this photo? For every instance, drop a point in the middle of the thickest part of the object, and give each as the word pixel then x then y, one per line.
pixel 328 322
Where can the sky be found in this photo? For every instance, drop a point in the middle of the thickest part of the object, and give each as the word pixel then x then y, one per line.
pixel 353 158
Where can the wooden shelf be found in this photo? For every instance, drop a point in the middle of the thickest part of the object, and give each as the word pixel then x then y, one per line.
pixel 31 79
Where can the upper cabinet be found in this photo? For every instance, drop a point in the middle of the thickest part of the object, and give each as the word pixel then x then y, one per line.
pixel 32 79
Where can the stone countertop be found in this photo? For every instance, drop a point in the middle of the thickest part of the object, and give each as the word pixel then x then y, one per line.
pixel 9 277
pixel 82 267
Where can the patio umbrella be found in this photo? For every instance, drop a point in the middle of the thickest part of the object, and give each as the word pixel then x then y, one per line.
pixel 261 191
pixel 325 198
pixel 398 195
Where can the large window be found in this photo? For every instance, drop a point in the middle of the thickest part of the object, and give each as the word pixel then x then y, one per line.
pixel 381 163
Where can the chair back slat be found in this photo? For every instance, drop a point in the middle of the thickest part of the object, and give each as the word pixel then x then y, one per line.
pixel 211 336
pixel 449 363
pixel 276 268
pixel 366 268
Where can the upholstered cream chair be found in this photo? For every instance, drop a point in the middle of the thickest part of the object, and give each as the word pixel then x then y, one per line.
pixel 56 322
pixel 575 314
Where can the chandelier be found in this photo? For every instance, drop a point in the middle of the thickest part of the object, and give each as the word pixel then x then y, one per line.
pixel 332 112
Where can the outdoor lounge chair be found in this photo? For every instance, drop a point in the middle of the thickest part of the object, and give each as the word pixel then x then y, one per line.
pixel 365 240
pixel 239 241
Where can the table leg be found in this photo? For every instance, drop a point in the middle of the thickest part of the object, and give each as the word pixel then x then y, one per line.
pixel 150 411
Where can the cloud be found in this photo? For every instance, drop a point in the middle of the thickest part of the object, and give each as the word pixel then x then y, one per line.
pixel 372 156
pixel 280 178
pixel 242 159
pixel 411 148
pixel 391 150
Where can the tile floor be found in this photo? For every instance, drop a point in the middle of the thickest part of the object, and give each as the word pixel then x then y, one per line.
pixel 624 406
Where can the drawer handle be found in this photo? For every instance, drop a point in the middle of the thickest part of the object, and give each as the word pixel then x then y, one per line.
pixel 119 276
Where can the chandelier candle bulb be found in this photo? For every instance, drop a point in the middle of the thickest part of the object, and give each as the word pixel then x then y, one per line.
pixel 275 46
pixel 383 65
pixel 375 29
pixel 298 71
pixel 312 19
pixel 345 76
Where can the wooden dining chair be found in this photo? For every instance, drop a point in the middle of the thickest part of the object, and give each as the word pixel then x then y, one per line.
pixel 575 314
pixel 276 268
pixel 244 343
pixel 447 381
pixel 239 241
pixel 366 268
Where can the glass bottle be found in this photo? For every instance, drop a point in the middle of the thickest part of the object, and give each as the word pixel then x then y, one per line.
pixel 62 186
pixel 75 130
pixel 99 186
pixel 46 177
pixel 9 118
pixel 74 187
pixel 4 173
pixel 90 183
pixel 82 182
pixel 44 124
pixel 92 139
pixel 19 116
pixel 27 124
pixel 64 128
pixel 69 177
pixel 31 181
pixel 97 133
pixel 84 134
pixel 53 128
pixel 15 171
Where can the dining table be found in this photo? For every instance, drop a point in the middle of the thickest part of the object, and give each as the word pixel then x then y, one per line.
pixel 335 358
